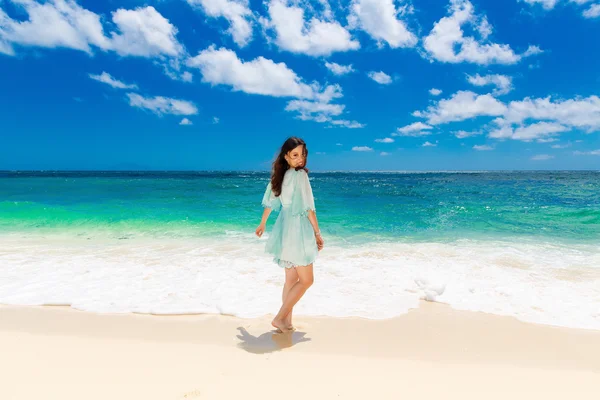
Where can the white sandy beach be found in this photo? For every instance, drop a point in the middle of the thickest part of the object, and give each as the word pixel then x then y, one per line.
pixel 432 352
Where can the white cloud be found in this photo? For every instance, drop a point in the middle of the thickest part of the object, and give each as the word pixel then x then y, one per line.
pixel 385 140
pixel 546 140
pixel 461 106
pixel 435 92
pixel 265 77
pixel 379 18
pixel 542 157
pixel 105 77
pixel 162 105
pixel 483 147
pixel 561 146
pixel 528 132
pixel 384 153
pixel 529 119
pixel 532 51
pixel 380 77
pixel 216 120
pixel 583 113
pixel 587 153
pixel 259 76
pixel 236 12
pixel 338 69
pixel 56 23
pixel 361 148
pixel 547 4
pixel 465 134
pixel 446 41
pixel 415 129
pixel 185 121
pixel 429 144
pixel 339 144
pixel 63 23
pixel 503 83
pixel 315 38
pixel 593 11
pixel 145 33
pixel 316 111
pixel 347 124
pixel 173 69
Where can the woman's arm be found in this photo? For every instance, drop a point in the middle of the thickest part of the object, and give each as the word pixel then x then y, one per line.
pixel 312 217
pixel 263 222
pixel 265 215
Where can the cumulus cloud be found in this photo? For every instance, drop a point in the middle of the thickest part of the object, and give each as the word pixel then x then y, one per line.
pixel 312 110
pixel 105 77
pixel 236 12
pixel 56 23
pixel 362 148
pixel 185 121
pixel 384 153
pixel 259 76
pixel 429 144
pixel 593 11
pixel 461 106
pixel 561 146
pixel 385 140
pixel 582 113
pixel 265 77
pixel 338 69
pixel 529 119
pixel 380 77
pixel 447 42
pixel 465 134
pixel 162 105
pixel 315 37
pixel 435 92
pixel 542 157
pixel 483 147
pixel 547 4
pixel 380 19
pixel 347 124
pixel 142 32
pixel 415 129
pixel 587 153
pixel 503 83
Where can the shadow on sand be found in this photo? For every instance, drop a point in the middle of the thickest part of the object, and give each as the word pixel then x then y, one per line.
pixel 269 342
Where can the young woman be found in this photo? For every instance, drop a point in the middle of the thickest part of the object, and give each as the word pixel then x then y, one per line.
pixel 295 239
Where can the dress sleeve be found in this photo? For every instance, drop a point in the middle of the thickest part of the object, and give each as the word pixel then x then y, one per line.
pixel 303 199
pixel 269 200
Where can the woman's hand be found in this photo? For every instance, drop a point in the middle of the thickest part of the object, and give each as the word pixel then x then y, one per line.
pixel 260 230
pixel 320 242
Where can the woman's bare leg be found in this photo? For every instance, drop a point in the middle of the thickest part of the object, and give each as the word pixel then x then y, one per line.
pixel 291 277
pixel 305 280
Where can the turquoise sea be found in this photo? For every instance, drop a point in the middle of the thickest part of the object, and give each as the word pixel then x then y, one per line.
pixel 353 207
pixel 506 242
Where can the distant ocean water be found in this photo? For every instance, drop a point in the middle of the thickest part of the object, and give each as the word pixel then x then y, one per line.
pixel 516 243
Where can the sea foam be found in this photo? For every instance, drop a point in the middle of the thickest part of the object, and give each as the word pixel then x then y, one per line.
pixel 230 274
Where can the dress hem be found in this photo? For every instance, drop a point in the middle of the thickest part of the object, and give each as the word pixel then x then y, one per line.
pixel 288 264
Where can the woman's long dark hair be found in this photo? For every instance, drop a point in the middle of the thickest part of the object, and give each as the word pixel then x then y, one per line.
pixel 280 165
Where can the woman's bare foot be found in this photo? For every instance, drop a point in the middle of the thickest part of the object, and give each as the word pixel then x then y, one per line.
pixel 288 323
pixel 280 325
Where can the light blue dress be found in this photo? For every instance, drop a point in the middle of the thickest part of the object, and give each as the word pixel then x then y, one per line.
pixel 292 240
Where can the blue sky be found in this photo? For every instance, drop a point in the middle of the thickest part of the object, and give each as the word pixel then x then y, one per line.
pixel 369 84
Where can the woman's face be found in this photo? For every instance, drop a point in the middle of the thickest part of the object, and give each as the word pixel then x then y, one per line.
pixel 295 157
